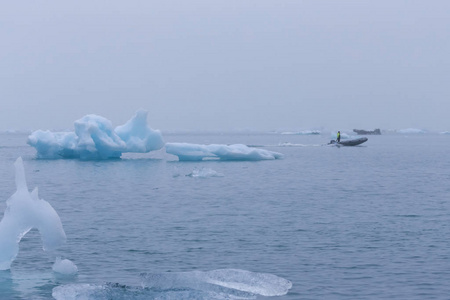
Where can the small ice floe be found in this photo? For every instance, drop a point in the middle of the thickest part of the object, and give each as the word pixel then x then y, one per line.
pixel 65 267
pixel 211 285
pixel 287 144
pixel 229 281
pixel 411 131
pixel 196 152
pixel 303 132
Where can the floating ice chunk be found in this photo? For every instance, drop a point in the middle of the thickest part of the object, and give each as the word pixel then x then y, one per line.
pixel 95 138
pixel 25 211
pixel 290 145
pixel 204 173
pixel 233 279
pixel 196 152
pixel 212 285
pixel 411 131
pixel 64 266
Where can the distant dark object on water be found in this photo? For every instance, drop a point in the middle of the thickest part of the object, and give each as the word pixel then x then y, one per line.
pixel 366 132
pixel 354 142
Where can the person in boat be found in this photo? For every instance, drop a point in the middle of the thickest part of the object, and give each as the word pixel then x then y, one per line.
pixel 338 139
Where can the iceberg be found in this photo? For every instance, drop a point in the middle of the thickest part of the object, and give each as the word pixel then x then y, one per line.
pixel 96 139
pixel 211 285
pixel 24 211
pixel 196 152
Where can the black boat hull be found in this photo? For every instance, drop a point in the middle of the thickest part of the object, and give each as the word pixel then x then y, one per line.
pixel 353 142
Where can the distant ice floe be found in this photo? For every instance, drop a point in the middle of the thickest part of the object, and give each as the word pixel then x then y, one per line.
pixel 15 131
pixel 411 131
pixel 95 138
pixel 204 173
pixel 196 152
pixel 212 285
pixel 287 144
pixel 24 211
pixel 303 132
pixel 446 132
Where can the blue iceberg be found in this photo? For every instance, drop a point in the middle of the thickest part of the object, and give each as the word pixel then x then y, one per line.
pixel 196 152
pixel 95 138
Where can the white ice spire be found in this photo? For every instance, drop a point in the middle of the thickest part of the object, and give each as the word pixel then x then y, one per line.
pixel 24 211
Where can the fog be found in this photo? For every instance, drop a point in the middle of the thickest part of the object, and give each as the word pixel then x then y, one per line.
pixel 226 65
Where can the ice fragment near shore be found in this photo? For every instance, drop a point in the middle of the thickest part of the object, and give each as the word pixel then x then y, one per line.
pixel 95 138
pixel 24 211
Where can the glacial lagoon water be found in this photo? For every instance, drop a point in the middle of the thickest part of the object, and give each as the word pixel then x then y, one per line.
pixel 367 222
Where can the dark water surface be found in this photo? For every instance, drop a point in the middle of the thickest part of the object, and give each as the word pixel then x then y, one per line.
pixel 368 222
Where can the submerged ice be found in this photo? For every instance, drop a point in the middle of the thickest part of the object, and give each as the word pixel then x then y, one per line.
pixel 24 211
pixel 216 284
pixel 204 173
pixel 220 281
pixel 95 138
pixel 196 152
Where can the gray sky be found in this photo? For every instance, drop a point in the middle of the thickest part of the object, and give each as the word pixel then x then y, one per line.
pixel 234 64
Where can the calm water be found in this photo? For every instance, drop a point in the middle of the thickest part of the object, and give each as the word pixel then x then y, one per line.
pixel 369 222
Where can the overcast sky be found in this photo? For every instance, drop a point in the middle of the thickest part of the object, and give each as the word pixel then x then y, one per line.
pixel 262 65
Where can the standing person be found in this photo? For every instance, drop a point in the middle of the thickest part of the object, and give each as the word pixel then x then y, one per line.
pixel 338 137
